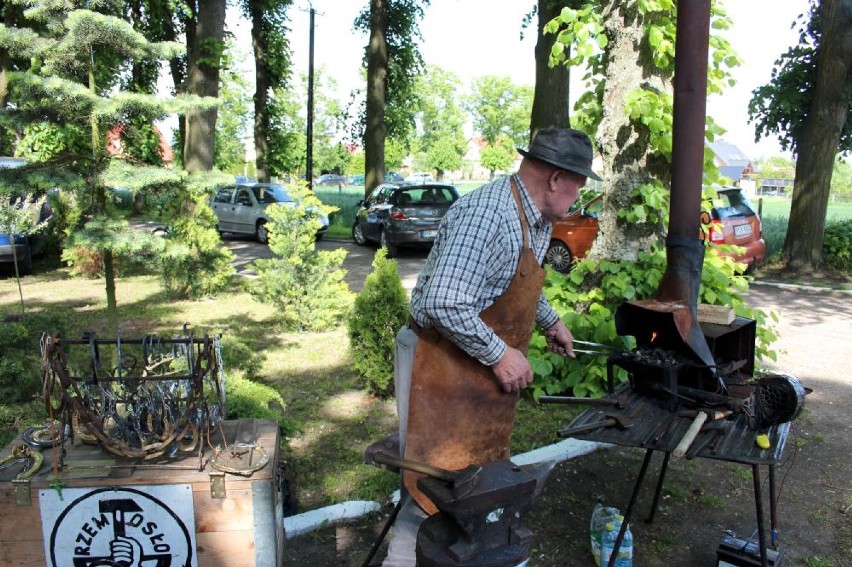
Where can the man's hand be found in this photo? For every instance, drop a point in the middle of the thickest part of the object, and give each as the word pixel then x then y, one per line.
pixel 513 371
pixel 560 340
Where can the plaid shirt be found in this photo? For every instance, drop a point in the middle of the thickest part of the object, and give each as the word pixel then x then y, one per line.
pixel 472 262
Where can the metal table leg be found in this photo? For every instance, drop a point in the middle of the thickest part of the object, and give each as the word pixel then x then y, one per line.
pixel 758 500
pixel 663 468
pixel 629 511
pixel 773 509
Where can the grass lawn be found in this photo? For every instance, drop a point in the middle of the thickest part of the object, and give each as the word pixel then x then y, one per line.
pixel 337 420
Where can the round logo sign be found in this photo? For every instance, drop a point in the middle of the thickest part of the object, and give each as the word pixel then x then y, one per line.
pixel 119 527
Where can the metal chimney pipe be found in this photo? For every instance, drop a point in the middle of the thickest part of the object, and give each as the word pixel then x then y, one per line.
pixel 690 110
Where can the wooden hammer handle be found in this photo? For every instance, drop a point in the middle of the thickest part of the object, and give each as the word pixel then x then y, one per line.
pixel 690 434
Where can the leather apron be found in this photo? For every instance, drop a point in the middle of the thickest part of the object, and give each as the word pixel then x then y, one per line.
pixel 458 413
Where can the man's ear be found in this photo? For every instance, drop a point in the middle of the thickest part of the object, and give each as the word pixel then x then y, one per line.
pixel 553 179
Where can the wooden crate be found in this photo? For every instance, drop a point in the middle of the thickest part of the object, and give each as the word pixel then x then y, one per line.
pixel 202 518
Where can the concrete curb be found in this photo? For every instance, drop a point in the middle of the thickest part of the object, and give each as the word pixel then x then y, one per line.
pixel 306 522
pixel 804 288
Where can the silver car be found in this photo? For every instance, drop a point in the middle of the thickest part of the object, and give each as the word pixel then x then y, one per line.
pixel 241 209
pixel 402 215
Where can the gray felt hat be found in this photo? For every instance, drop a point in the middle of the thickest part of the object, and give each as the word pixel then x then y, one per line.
pixel 564 148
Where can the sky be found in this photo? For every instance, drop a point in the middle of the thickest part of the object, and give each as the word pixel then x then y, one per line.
pixel 473 38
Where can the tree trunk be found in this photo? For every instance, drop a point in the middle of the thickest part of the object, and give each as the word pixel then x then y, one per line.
pixel 820 137
pixel 261 91
pixel 550 102
pixel 377 71
pixel 627 159
pixel 203 80
pixel 5 60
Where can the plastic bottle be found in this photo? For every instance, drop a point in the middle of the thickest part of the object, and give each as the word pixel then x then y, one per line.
pixel 608 539
pixel 601 516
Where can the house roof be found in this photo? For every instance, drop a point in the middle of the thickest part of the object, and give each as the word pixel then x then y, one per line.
pixel 732 161
pixel 732 172
pixel 728 153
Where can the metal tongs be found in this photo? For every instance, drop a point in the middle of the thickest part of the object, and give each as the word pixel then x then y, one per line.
pixel 598 349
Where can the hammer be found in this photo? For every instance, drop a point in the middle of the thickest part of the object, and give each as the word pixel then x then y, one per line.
pixel 462 481
pixel 612 420
pixel 118 508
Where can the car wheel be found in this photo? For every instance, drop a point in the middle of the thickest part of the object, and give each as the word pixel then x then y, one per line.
pixel 262 233
pixel 559 257
pixel 750 269
pixel 392 249
pixel 358 234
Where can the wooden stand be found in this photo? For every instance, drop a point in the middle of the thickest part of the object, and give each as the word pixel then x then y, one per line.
pixel 235 521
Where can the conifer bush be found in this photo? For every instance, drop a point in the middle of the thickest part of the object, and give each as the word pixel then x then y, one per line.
pixel 305 285
pixel 381 308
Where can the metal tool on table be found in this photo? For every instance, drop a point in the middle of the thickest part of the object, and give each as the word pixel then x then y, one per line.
pixel 610 420
pixel 480 509
pixel 710 433
pixel 619 402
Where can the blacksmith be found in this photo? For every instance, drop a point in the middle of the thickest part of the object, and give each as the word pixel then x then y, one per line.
pixel 461 359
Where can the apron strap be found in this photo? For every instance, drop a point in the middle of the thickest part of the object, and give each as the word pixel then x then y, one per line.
pixel 522 215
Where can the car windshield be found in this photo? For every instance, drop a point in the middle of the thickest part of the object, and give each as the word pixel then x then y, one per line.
pixel 730 204
pixel 271 194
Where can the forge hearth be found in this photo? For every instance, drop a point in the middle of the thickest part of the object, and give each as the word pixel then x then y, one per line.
pixel 663 361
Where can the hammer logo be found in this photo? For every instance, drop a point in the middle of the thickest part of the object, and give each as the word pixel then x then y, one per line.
pixel 120 527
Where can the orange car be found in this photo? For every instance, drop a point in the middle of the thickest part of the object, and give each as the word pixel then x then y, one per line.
pixel 731 221
pixel 573 235
pixel 734 222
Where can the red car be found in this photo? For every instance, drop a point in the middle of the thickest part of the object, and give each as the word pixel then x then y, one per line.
pixel 573 235
pixel 731 221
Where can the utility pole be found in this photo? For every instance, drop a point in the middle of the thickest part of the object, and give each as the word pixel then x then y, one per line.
pixel 309 167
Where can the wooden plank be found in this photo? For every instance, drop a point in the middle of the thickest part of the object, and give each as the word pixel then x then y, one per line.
pixel 225 549
pixel 22 553
pixel 19 523
pixel 718 314
pixel 233 513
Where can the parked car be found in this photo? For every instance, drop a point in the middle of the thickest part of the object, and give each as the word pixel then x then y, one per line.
pixel 22 246
pixel 402 215
pixel 241 209
pixel 419 177
pixel 331 179
pixel 733 221
pixel 357 179
pixel 573 235
pixel 22 249
pixel 394 177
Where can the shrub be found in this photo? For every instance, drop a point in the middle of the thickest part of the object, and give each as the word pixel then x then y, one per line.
pixel 305 286
pixel 380 309
pixel 774 233
pixel 837 245
pixel 195 264
pixel 249 399
pixel 19 363
pixel 238 356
